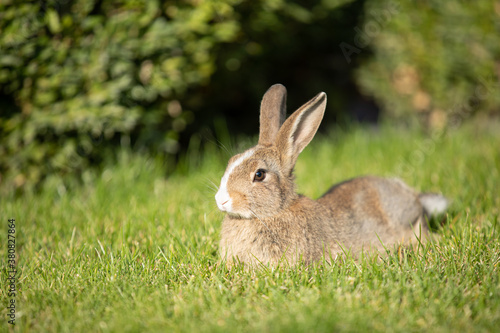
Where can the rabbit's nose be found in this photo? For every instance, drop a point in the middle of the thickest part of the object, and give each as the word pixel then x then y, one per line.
pixel 223 200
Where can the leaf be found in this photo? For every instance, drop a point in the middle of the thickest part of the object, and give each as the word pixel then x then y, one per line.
pixel 52 19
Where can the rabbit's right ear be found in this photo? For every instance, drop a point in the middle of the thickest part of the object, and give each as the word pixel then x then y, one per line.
pixel 299 129
pixel 272 114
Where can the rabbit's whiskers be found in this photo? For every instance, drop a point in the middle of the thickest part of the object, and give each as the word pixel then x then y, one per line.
pixel 211 185
pixel 222 146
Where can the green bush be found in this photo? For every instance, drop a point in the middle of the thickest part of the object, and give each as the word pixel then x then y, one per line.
pixel 434 59
pixel 86 76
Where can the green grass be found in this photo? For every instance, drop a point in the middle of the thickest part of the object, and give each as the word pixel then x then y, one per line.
pixel 135 251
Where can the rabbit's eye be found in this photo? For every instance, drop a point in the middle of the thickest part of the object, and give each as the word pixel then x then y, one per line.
pixel 260 175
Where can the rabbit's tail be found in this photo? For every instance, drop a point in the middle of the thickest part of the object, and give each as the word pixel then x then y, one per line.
pixel 434 204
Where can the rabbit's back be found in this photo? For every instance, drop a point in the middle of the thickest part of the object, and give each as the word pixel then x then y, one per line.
pixel 371 210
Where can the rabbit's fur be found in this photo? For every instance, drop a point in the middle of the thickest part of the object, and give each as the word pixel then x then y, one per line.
pixel 266 219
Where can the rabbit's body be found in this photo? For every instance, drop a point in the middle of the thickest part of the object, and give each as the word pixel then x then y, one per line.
pixel 354 215
pixel 267 220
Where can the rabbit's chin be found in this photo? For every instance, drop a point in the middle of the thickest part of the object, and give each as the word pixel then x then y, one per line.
pixel 240 216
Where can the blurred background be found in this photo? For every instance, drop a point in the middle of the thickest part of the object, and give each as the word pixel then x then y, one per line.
pixel 81 80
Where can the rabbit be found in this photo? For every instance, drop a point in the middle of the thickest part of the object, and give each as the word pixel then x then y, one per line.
pixel 266 221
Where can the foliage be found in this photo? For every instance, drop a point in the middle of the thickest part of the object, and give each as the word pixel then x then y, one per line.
pixel 85 77
pixel 133 251
pixel 439 59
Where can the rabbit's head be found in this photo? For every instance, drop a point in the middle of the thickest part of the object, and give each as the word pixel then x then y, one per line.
pixel 258 183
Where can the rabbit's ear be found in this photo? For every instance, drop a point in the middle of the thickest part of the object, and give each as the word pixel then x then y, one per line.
pixel 299 129
pixel 272 113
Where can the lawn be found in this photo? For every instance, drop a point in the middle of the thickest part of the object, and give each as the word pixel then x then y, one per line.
pixel 132 250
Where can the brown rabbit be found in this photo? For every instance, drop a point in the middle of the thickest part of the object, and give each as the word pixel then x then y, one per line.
pixel 268 221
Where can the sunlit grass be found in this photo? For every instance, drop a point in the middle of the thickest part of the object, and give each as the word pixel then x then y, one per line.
pixel 133 250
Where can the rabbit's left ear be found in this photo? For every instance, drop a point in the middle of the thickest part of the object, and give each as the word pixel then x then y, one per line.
pixel 272 114
pixel 299 129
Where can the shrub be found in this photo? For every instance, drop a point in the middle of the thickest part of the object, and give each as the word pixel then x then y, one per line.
pixel 434 60
pixel 78 78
